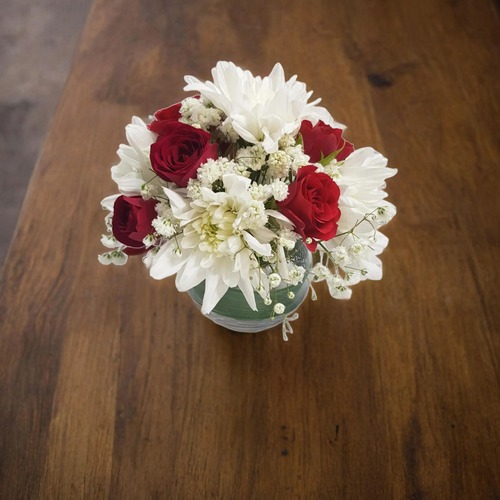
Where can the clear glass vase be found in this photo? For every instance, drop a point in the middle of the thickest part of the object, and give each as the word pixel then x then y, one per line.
pixel 233 312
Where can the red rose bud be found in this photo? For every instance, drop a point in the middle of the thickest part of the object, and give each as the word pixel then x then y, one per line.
pixel 312 206
pixel 177 154
pixel 131 223
pixel 164 116
pixel 322 140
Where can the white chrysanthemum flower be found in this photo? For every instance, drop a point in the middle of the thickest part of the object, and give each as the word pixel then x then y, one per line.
pixel 215 245
pixel 133 171
pixel 362 182
pixel 251 157
pixel 260 109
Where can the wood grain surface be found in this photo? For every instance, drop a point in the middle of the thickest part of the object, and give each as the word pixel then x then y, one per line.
pixel 113 386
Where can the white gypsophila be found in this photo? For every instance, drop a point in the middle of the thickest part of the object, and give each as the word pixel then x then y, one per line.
pixel 164 227
pixel 149 240
pixel 260 109
pixel 279 190
pixel 279 308
pixel 165 224
pixel 214 244
pixel 333 170
pixel 253 217
pixel 274 280
pixel 295 274
pixel 133 170
pixel 149 190
pixel 213 170
pixel 226 130
pixel 340 255
pixel 278 165
pixel 286 141
pixel 251 157
pixel 116 257
pixel 163 209
pixel 352 277
pixel 338 288
pixel 109 241
pixel 287 238
pixel 320 272
pixel 197 114
pixel 187 105
pixel 297 156
pixel 193 189
pixel 260 192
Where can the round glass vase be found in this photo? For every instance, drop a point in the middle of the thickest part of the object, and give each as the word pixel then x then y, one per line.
pixel 234 313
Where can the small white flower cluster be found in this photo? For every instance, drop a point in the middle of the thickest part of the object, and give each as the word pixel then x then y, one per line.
pixel 213 171
pixel 199 114
pixel 251 157
pixel 165 224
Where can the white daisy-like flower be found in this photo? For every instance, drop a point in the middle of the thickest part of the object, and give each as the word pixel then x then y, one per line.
pixel 134 169
pixel 215 244
pixel 362 182
pixel 260 109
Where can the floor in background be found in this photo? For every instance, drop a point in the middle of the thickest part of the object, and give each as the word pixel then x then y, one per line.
pixel 37 42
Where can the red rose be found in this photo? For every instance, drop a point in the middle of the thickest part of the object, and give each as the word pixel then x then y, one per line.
pixel 312 205
pixel 132 217
pixel 177 154
pixel 165 116
pixel 322 140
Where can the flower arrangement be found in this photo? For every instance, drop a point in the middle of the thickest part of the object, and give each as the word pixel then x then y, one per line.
pixel 222 187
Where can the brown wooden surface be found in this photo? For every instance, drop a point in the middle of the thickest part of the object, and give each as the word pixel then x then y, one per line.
pixel 112 386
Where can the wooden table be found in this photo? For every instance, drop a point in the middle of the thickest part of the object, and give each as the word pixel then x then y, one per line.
pixel 112 386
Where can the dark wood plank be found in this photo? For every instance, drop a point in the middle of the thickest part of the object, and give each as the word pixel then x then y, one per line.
pixel 113 386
